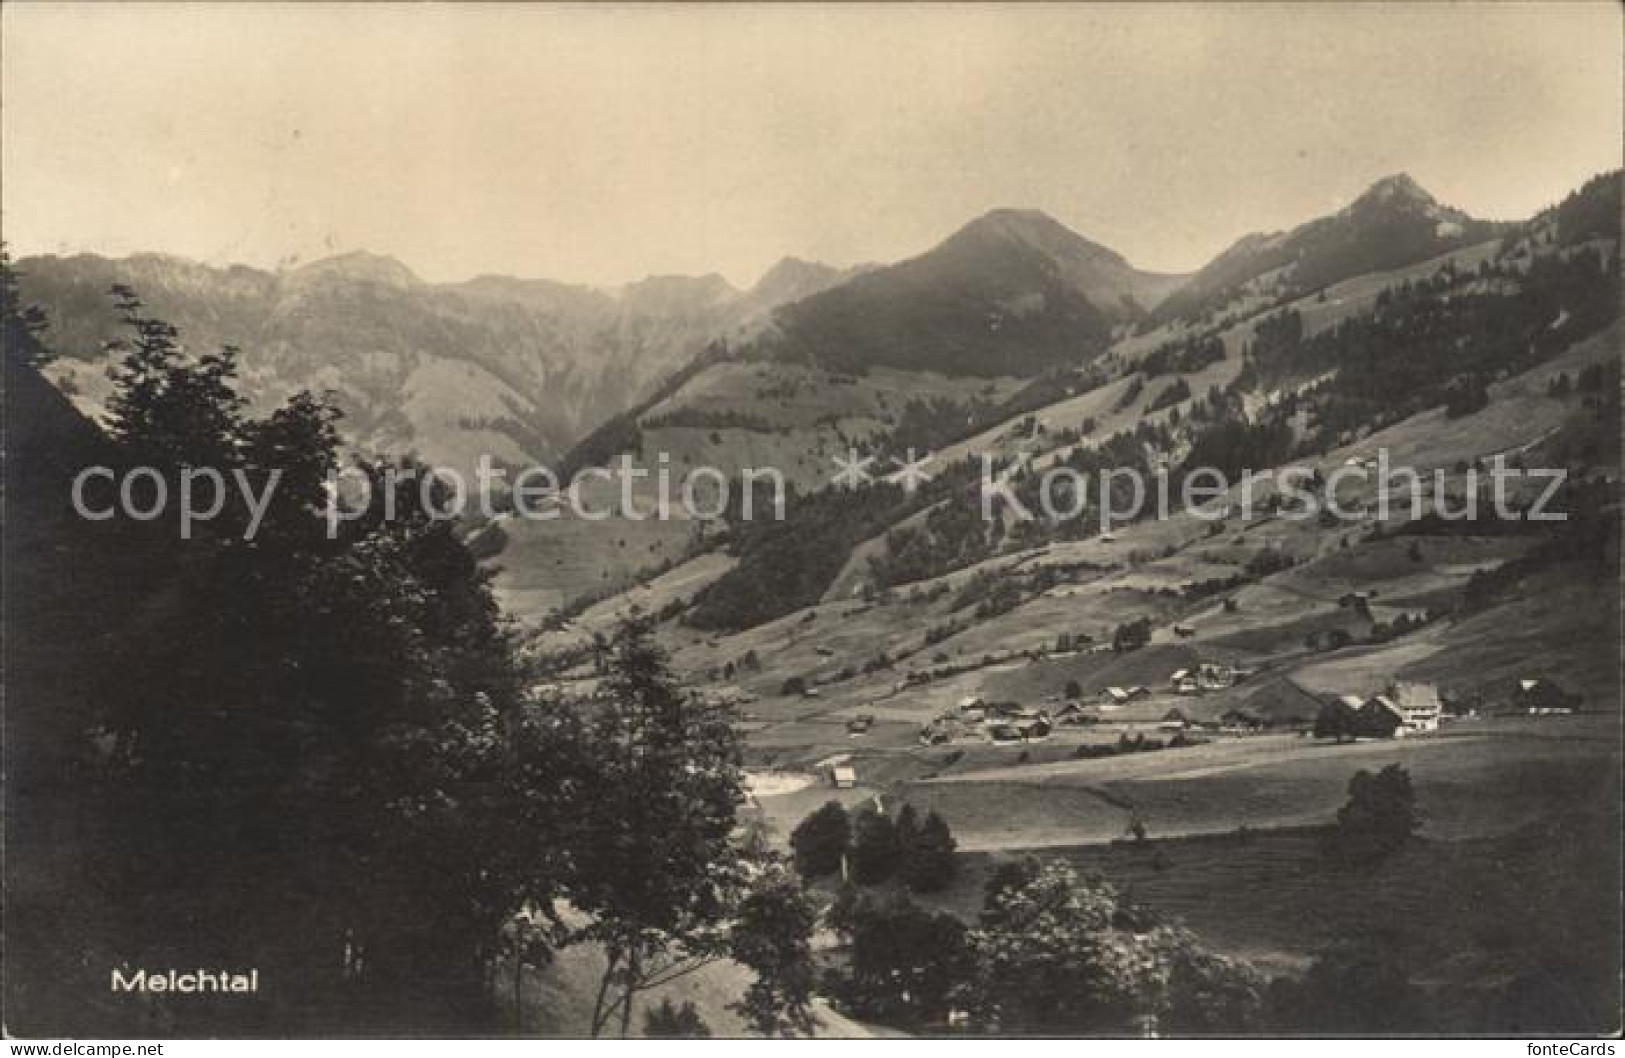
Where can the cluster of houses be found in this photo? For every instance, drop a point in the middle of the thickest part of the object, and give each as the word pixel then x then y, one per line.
pixel 1403 709
pixel 1202 678
pixel 1002 723
pixel 1206 676
pixel 1407 708
pixel 1010 722
pixel 1418 707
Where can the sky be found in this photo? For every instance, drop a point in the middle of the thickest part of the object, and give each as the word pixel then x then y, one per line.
pixel 600 144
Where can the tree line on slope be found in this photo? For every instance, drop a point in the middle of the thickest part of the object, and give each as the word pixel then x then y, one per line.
pixel 1435 342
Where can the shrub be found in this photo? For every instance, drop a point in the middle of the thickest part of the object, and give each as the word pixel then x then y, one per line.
pixel 1380 815
pixel 929 863
pixel 820 840
pixel 668 1022
pixel 875 851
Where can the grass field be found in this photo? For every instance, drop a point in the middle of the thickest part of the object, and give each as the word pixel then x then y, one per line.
pixel 1511 880
pixel 1469 915
pixel 549 563
pixel 1508 885
pixel 1473 778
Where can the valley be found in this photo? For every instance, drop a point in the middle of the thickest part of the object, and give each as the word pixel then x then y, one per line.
pixel 1146 696
pixel 968 522
pixel 888 681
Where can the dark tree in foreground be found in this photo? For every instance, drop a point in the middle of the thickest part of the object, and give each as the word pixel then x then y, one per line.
pixel 655 867
pixel 1051 953
pixel 820 840
pixel 772 936
pixel 24 326
pixel 1054 953
pixel 656 862
pixel 1208 994
pixel 1008 876
pixel 842 911
pixel 306 749
pixel 1335 721
pixel 669 1022
pixel 905 961
pixel 300 751
pixel 875 852
pixel 1380 815
pixel 906 827
pixel 1049 958
pixel 928 860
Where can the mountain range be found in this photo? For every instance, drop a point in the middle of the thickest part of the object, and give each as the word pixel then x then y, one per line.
pixel 1153 697
pixel 518 368
pixel 525 369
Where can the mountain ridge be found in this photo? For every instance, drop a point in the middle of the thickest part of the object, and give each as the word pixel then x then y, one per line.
pixel 1012 292
pixel 520 367
pixel 1393 222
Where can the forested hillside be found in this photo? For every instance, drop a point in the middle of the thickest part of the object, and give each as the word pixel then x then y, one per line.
pixel 266 746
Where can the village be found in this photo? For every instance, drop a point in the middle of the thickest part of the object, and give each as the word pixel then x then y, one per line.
pixel 1405 708
pixel 1139 718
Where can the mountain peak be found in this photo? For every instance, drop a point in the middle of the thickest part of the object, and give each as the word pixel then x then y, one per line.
pixel 1018 218
pixel 792 274
pixel 359 266
pixel 1399 187
pixel 1037 230
pixel 1393 223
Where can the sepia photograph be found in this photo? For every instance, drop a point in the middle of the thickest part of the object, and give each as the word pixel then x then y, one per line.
pixel 822 521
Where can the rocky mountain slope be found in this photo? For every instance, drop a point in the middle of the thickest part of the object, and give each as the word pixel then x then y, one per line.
pixel 520 369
